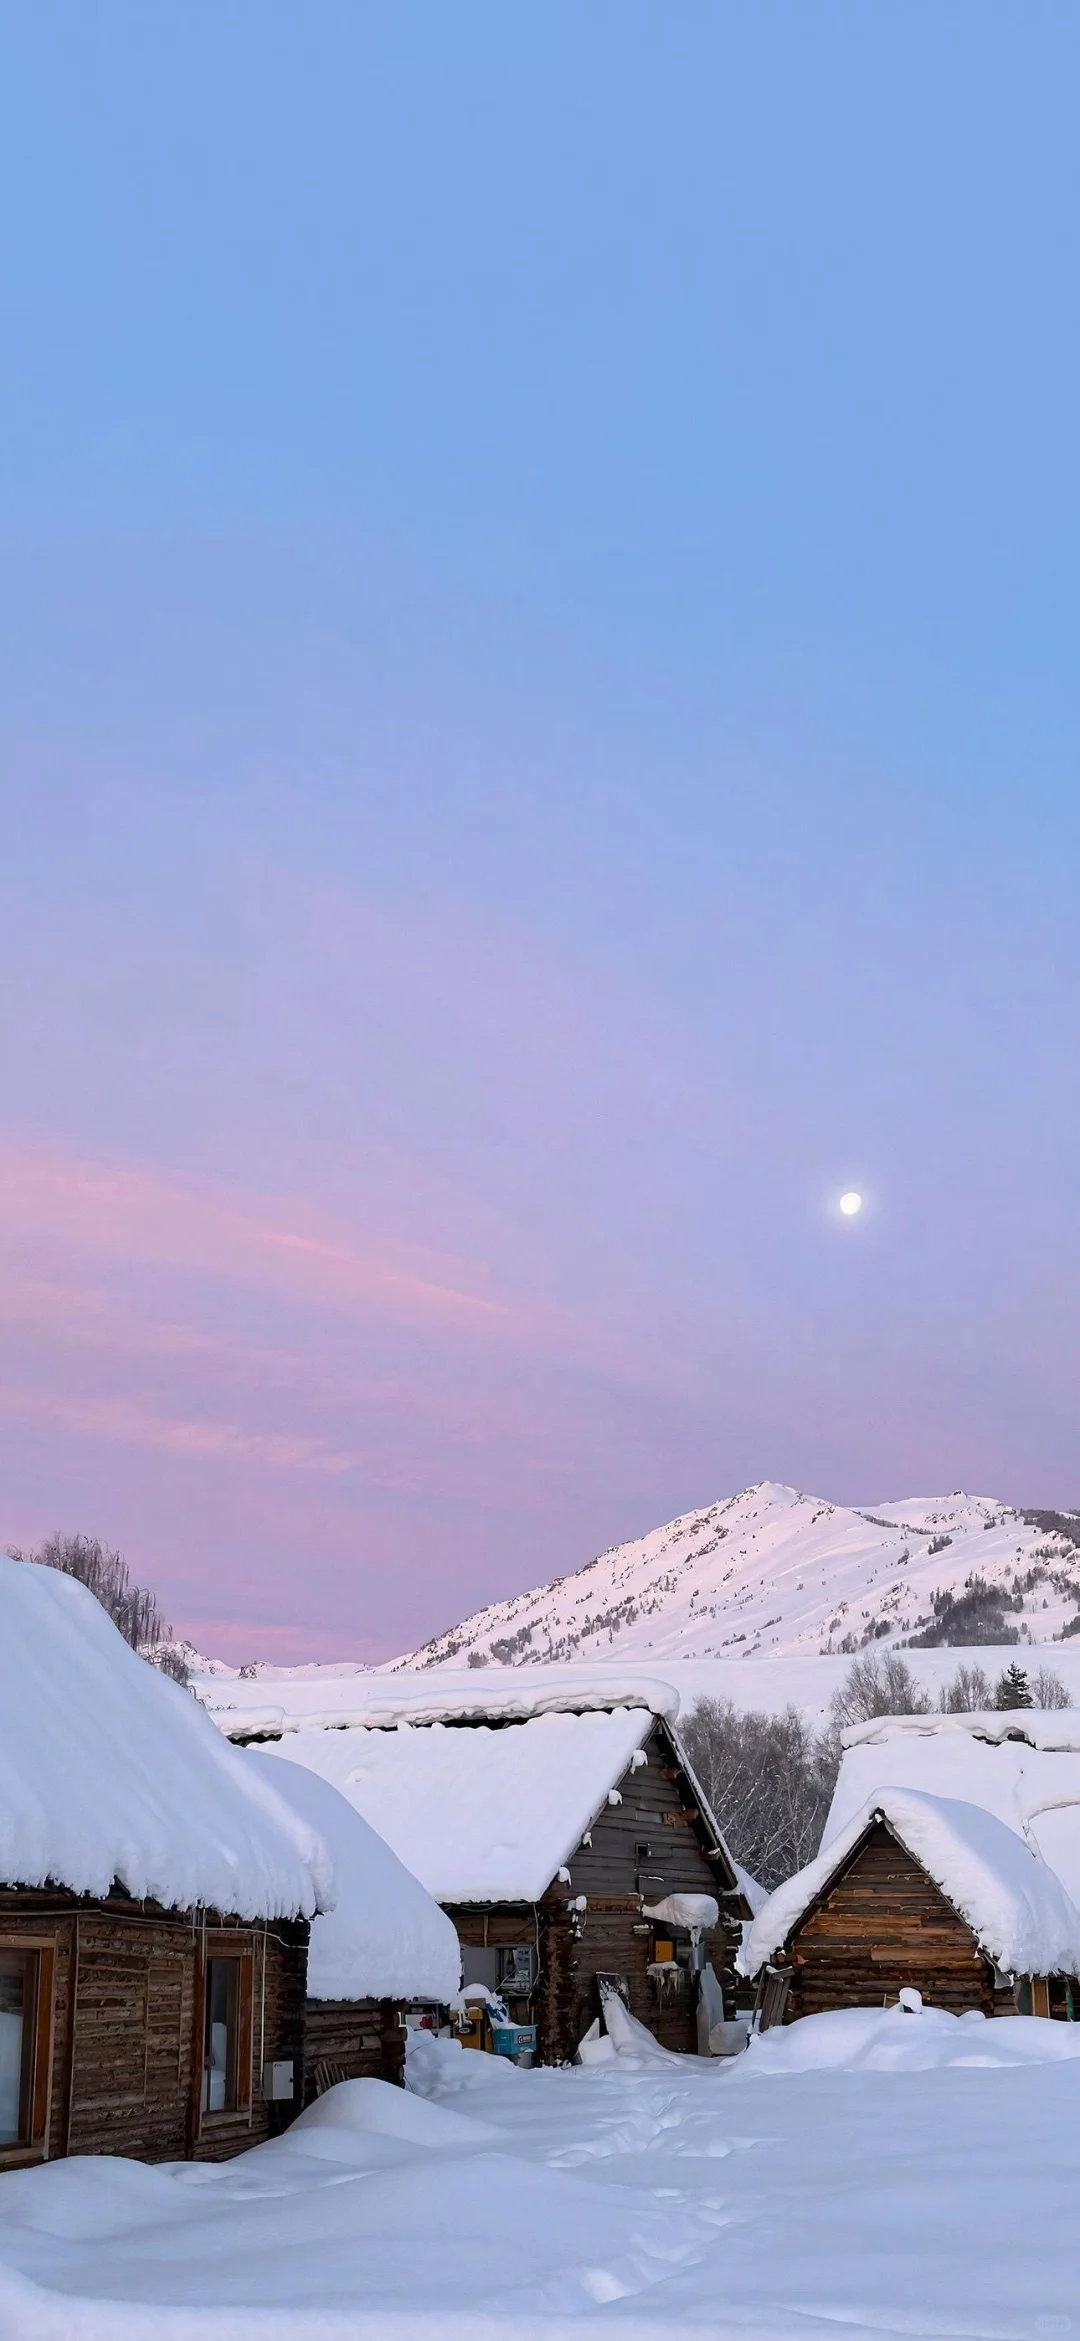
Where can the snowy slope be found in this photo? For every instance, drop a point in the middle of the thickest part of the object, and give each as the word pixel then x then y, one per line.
pixel 774 1573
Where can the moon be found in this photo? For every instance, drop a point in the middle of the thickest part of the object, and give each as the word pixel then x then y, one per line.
pixel 850 1204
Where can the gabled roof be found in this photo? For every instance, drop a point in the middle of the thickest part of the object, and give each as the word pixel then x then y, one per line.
pixel 385 1938
pixel 1016 1907
pixel 1022 1766
pixel 482 1813
pixel 109 1772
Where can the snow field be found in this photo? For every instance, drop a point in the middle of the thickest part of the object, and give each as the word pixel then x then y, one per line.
pixel 881 2172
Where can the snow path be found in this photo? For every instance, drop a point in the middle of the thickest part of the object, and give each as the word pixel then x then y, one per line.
pixel 802 2189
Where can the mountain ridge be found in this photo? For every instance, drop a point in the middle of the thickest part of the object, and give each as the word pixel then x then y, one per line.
pixel 774 1572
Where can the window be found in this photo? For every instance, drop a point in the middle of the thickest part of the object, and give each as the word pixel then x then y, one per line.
pixel 16 2038
pixel 25 2024
pixel 227 2033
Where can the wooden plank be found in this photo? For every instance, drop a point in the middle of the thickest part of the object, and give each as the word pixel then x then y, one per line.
pixel 881 1924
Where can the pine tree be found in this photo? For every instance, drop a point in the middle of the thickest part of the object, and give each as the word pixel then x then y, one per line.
pixel 1013 1688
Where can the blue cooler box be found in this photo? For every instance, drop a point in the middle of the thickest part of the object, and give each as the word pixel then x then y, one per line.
pixel 513 2040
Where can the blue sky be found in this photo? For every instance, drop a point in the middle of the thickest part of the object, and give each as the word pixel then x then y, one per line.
pixel 539 742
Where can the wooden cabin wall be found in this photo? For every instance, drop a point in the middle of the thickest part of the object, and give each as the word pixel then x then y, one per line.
pixel 883 1925
pixel 614 1941
pixel 658 1809
pixel 126 2052
pixel 366 2036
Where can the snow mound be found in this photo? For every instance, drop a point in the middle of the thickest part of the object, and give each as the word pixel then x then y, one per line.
pixel 385 1937
pixel 110 1772
pixel 394 2113
pixel 438 2067
pixel 904 2040
pixel 1016 1907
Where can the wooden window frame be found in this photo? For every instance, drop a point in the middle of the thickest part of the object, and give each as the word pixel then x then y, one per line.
pixel 40 1953
pixel 239 1949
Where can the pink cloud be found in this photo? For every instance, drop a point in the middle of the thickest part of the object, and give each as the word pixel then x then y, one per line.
pixel 139 1426
pixel 141 1311
pixel 64 1203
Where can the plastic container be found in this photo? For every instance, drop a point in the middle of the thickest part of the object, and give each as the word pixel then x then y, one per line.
pixel 513 2040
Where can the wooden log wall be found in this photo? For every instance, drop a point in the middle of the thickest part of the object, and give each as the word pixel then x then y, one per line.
pixel 885 1924
pixel 366 2036
pixel 658 1808
pixel 126 2048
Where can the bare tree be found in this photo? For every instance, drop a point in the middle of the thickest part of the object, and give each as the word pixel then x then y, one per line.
pixel 876 1686
pixel 769 1780
pixel 970 1692
pixel 1048 1690
pixel 133 1610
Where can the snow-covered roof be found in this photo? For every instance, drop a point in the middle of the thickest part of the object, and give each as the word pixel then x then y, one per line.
pixel 1049 1728
pixel 385 1938
pixel 108 1771
pixel 1016 1907
pixel 511 1694
pixel 1020 1765
pixel 480 1814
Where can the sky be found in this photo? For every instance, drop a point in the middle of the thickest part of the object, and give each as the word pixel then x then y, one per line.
pixel 538 745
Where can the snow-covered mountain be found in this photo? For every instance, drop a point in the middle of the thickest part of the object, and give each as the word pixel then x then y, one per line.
pixel 774 1573
pixel 203 1668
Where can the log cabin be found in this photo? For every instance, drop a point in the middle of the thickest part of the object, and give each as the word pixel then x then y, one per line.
pixel 384 1955
pixel 925 1893
pixel 155 1899
pixel 561 1839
